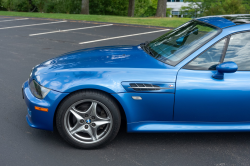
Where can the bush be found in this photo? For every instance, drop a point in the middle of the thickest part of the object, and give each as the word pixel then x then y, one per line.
pixel 109 7
pixel 15 5
pixel 22 6
pixel 8 4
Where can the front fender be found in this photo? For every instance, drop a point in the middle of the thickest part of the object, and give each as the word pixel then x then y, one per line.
pixel 106 79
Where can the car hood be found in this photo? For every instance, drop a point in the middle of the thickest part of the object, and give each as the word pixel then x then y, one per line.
pixel 98 66
pixel 100 57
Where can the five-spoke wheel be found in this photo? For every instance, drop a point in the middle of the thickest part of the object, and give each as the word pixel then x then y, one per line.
pixel 88 119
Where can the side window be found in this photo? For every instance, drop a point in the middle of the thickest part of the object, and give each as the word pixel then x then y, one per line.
pixel 209 59
pixel 238 50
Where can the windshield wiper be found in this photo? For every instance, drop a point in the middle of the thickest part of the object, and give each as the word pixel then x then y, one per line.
pixel 145 47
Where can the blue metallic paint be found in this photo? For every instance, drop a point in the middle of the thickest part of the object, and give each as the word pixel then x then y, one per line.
pixel 102 68
pixel 40 119
pixel 197 97
pixel 212 100
pixel 226 67
pixel 152 107
pixel 152 126
pixel 217 21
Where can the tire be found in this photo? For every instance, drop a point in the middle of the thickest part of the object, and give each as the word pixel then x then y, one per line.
pixel 88 119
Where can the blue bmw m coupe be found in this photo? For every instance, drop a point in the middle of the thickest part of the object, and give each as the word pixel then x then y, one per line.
pixel 195 78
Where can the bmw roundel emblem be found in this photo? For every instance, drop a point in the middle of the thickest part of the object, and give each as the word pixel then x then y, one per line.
pixel 88 121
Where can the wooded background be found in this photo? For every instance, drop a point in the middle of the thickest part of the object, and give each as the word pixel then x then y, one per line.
pixel 137 8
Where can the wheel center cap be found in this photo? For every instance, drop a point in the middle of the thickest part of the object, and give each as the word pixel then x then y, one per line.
pixel 88 121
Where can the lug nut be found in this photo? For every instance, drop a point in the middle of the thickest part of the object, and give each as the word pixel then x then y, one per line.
pixel 86 115
pixel 81 121
pixel 86 126
pixel 93 124
pixel 93 117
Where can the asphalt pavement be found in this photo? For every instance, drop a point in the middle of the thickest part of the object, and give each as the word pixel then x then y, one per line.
pixel 25 43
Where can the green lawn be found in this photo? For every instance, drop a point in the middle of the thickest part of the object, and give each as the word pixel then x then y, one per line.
pixel 164 22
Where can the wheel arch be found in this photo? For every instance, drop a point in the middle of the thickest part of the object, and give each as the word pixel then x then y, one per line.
pixel 121 109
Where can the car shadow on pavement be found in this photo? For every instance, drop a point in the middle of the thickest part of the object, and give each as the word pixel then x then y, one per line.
pixel 156 140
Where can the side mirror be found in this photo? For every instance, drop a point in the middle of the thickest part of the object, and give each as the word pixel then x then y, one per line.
pixel 226 67
pixel 180 40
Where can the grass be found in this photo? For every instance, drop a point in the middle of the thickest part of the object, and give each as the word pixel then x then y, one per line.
pixel 163 22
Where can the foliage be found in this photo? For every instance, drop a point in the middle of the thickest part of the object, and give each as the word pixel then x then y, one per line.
pixel 109 7
pixel 67 6
pixel 147 8
pixel 8 4
pixel 22 5
pixel 1 5
pixel 100 7
pixel 226 7
pixel 198 8
pixel 168 12
pixel 246 4
pixel 143 8
pixel 58 6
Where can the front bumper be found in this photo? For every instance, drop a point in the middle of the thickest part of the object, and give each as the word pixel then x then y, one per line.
pixel 40 119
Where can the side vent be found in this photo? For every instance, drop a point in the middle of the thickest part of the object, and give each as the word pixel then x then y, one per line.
pixel 143 87
pixel 149 87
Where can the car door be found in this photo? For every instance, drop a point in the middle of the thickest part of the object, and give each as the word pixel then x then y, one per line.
pixel 200 97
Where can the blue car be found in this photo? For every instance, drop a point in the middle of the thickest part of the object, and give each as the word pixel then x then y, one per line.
pixel 195 78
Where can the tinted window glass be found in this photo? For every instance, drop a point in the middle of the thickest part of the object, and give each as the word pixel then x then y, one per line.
pixel 177 44
pixel 209 59
pixel 239 50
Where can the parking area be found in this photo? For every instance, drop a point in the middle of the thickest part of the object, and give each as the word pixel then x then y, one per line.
pixel 26 42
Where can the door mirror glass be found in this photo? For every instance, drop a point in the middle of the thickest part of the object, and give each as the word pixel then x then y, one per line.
pixel 180 41
pixel 226 67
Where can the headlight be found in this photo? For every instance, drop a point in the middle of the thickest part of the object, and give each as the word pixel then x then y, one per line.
pixel 38 90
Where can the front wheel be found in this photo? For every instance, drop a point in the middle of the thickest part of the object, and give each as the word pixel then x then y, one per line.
pixel 88 119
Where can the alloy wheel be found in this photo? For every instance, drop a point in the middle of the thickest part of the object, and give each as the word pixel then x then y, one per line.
pixel 88 121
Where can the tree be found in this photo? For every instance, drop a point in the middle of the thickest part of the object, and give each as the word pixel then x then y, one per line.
pixel 145 8
pixel 85 7
pixel 226 7
pixel 40 4
pixel 109 7
pixel 246 4
pixel 161 8
pixel 196 8
pixel 131 8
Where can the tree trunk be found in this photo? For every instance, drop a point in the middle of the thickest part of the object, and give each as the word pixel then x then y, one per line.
pixel 131 8
pixel 85 7
pixel 161 8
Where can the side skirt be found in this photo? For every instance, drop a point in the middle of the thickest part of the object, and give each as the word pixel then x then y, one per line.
pixel 188 127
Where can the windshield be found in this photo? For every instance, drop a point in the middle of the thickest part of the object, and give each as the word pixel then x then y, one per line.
pixel 177 44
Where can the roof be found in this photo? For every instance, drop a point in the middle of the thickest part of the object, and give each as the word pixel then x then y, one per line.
pixel 223 21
